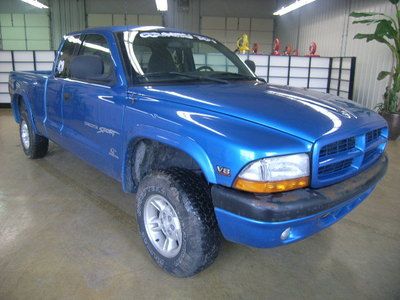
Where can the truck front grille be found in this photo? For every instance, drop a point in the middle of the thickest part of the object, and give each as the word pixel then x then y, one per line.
pixel 338 147
pixel 370 155
pixel 339 160
pixel 372 136
pixel 335 167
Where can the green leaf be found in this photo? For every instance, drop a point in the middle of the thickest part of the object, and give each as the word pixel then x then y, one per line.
pixel 371 37
pixel 394 1
pixel 360 36
pixel 385 28
pixel 383 74
pixel 365 21
pixel 364 14
pixel 368 36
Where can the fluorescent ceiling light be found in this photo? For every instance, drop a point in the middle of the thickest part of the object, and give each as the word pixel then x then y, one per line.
pixel 299 3
pixel 35 3
pixel 162 5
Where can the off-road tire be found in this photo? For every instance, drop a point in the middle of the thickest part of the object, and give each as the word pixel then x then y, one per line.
pixel 189 195
pixel 38 145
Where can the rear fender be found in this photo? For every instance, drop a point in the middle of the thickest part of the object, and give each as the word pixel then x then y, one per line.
pixel 16 106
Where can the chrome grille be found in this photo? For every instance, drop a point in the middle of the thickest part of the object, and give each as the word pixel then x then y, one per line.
pixel 338 160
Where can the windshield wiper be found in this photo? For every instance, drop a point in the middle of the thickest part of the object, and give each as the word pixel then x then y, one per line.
pixel 240 76
pixel 191 76
pixel 199 77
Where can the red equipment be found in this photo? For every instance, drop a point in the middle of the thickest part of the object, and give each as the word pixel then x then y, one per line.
pixel 255 48
pixel 277 47
pixel 313 49
pixel 288 50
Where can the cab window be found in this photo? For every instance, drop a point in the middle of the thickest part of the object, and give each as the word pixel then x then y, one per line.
pixel 70 46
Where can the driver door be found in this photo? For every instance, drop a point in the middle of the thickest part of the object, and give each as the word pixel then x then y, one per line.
pixel 93 108
pixel 55 85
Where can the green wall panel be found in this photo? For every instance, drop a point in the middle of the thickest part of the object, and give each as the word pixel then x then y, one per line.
pixel 14 45
pixel 37 33
pixel 38 45
pixel 5 20
pixel 37 20
pixel 13 33
pixel 18 20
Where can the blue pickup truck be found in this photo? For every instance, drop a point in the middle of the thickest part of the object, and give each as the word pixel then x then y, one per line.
pixel 206 145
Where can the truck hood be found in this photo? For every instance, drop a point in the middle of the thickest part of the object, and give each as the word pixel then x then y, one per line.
pixel 303 113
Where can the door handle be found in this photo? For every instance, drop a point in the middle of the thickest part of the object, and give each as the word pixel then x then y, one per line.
pixel 132 96
pixel 67 96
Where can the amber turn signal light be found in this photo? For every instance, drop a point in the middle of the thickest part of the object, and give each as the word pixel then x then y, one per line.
pixel 272 186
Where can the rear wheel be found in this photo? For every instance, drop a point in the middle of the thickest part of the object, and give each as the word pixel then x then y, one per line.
pixel 177 222
pixel 34 145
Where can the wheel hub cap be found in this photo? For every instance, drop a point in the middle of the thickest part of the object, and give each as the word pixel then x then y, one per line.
pixel 25 135
pixel 162 226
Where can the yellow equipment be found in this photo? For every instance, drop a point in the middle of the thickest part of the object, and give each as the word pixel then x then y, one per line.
pixel 242 43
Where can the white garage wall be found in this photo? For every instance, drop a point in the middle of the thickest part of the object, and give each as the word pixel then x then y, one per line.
pixel 329 25
pixel 146 7
pixel 237 8
pixel 228 29
pixel 225 20
pixel 121 12
pixel 66 16
pixel 253 16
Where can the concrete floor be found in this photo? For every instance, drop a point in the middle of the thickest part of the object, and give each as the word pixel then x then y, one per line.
pixel 67 231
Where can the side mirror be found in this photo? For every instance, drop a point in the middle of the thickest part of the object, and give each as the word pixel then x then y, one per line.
pixel 251 64
pixel 87 67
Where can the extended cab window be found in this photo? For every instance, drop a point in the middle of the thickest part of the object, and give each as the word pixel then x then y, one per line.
pixel 71 44
pixel 95 49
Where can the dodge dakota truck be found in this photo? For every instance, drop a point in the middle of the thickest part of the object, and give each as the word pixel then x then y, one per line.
pixel 209 148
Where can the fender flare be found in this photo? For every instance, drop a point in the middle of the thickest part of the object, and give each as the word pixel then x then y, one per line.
pixel 15 107
pixel 183 143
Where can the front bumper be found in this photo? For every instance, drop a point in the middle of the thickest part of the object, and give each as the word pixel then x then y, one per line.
pixel 258 220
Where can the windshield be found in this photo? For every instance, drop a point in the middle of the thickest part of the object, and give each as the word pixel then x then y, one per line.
pixel 164 56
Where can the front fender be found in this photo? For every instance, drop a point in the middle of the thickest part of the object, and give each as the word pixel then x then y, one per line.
pixel 183 143
pixel 213 140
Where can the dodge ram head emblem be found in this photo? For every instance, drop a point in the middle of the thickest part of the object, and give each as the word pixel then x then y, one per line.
pixel 223 171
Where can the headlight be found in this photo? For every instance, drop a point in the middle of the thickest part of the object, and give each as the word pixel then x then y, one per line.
pixel 275 174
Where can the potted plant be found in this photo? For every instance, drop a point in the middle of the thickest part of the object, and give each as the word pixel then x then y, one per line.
pixel 387 32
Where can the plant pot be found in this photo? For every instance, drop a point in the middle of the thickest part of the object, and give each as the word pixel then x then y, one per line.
pixel 393 120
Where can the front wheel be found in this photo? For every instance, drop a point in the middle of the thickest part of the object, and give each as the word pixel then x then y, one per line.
pixel 177 222
pixel 34 145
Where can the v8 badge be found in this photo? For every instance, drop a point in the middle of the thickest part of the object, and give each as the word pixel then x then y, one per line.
pixel 223 171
